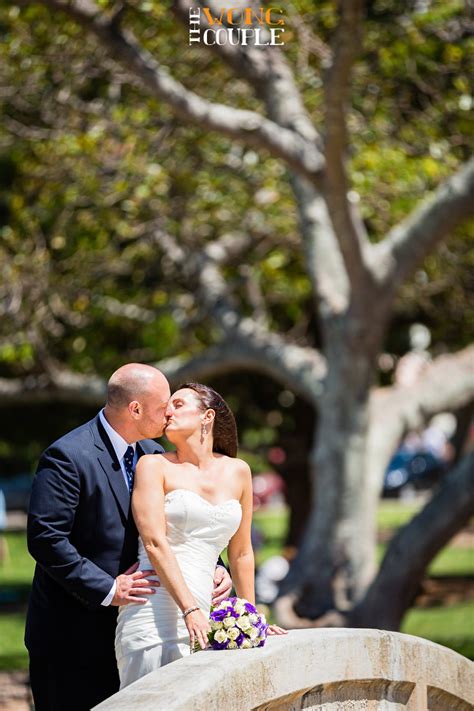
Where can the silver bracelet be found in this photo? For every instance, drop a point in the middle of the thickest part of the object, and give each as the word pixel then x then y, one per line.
pixel 189 610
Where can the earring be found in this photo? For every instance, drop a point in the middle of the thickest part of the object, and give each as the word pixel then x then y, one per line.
pixel 203 431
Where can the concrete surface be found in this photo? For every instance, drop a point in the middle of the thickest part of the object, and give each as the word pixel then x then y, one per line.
pixel 327 669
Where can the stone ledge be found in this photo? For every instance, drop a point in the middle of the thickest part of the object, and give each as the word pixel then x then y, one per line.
pixel 311 669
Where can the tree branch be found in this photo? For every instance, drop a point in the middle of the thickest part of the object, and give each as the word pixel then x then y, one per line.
pixel 267 70
pixel 324 261
pixel 294 367
pixel 409 242
pixel 248 127
pixel 229 247
pixel 115 307
pixel 348 225
pixel 446 385
pixel 301 368
pixel 414 547
pixel 264 68
pixel 63 386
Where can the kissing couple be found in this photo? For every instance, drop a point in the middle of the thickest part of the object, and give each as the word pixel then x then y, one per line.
pixel 124 582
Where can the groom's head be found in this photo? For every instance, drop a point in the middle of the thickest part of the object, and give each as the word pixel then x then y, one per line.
pixel 137 396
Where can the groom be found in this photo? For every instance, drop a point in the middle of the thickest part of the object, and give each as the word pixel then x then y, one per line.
pixel 83 538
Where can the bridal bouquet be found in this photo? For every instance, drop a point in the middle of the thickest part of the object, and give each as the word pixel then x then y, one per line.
pixel 237 624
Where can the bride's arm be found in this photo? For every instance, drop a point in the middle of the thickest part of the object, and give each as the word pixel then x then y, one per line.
pixel 239 550
pixel 148 507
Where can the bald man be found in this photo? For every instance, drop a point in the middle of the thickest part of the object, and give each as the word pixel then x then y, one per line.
pixel 82 535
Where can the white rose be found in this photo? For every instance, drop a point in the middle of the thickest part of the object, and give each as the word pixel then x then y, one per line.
pixel 233 633
pixel 253 633
pixel 217 625
pixel 220 636
pixel 253 618
pixel 232 645
pixel 229 622
pixel 244 623
pixel 239 607
pixel 246 644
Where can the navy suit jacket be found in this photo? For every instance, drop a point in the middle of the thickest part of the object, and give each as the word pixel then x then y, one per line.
pixel 82 535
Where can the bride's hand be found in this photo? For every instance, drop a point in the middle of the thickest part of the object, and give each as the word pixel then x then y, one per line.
pixel 198 628
pixel 274 629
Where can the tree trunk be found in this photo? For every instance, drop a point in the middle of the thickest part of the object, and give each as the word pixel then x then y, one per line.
pixel 296 475
pixel 295 471
pixel 412 549
pixel 336 561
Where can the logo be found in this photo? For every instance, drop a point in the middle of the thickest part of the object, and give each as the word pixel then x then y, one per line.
pixel 237 26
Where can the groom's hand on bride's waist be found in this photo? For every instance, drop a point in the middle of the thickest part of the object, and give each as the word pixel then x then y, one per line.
pixel 222 585
pixel 133 585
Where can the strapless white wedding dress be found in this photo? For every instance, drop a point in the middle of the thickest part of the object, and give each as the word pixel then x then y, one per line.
pixel 153 634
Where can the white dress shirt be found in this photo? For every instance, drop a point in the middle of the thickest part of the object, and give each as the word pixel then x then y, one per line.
pixel 120 447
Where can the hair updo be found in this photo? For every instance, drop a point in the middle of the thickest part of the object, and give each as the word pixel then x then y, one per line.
pixel 224 430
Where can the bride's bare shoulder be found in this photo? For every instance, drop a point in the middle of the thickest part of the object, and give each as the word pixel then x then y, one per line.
pixel 154 462
pixel 238 467
pixel 243 469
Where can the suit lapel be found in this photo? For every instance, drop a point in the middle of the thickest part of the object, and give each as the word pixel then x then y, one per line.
pixel 141 450
pixel 109 463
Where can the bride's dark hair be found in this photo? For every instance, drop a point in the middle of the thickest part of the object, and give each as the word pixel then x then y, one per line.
pixel 224 429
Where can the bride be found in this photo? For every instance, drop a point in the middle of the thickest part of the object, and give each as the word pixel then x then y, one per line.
pixel 188 505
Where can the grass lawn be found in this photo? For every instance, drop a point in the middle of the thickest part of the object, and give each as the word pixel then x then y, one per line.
pixel 18 569
pixel 451 626
pixel 393 514
pixel 12 650
pixel 15 579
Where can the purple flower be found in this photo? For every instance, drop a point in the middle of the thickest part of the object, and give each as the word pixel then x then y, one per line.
pixel 219 645
pixel 218 615
pixel 250 608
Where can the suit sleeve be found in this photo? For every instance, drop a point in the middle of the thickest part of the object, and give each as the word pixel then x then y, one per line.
pixel 54 500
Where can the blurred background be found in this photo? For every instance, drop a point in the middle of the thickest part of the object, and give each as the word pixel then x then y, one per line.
pixel 138 225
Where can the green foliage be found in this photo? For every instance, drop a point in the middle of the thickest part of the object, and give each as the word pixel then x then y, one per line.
pixel 91 166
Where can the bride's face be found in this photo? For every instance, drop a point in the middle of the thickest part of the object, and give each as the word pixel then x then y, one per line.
pixel 184 414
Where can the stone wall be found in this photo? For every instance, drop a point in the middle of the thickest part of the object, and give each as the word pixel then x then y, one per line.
pixel 327 669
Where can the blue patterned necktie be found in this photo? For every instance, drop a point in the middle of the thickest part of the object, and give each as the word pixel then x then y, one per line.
pixel 128 461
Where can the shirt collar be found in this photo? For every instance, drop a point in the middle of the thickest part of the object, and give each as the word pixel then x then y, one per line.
pixel 118 443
